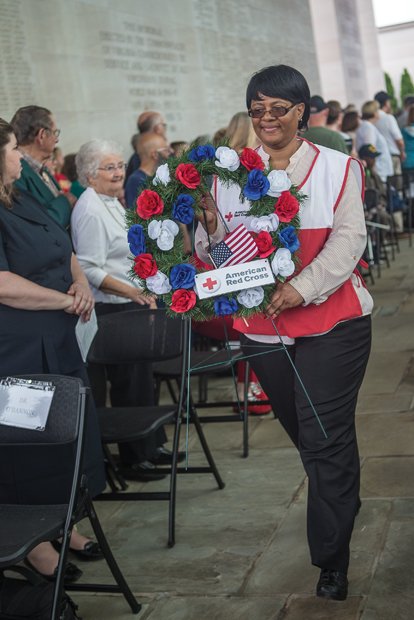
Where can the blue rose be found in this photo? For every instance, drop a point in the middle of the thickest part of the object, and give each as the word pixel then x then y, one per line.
pixel 289 239
pixel 182 209
pixel 257 185
pixel 199 153
pixel 182 276
pixel 136 240
pixel 223 306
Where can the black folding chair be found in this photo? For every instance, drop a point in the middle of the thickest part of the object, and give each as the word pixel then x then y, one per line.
pixel 23 527
pixel 145 336
pixel 376 248
pixel 394 185
pixel 204 364
pixel 408 192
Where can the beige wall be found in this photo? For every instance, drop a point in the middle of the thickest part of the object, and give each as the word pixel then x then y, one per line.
pixel 397 51
pixel 347 49
pixel 98 63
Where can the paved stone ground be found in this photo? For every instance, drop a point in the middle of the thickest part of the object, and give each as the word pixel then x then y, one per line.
pixel 241 552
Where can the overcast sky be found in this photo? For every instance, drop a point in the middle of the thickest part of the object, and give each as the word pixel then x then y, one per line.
pixel 393 11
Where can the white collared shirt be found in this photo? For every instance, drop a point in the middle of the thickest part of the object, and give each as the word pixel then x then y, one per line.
pixel 99 236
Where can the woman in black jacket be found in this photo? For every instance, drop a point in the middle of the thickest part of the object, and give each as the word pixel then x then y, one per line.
pixel 43 292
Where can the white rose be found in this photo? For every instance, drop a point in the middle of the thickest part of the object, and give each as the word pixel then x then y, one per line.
pixel 279 182
pixel 154 229
pixel 269 223
pixel 227 158
pixel 165 240
pixel 251 297
pixel 158 284
pixel 162 175
pixel 171 226
pixel 282 263
pixel 164 232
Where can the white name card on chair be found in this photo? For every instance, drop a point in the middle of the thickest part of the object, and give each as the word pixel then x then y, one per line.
pixel 25 403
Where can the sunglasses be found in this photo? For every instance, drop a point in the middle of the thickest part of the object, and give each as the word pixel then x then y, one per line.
pixel 276 111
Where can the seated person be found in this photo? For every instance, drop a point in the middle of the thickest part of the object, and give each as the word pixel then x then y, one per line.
pixel 100 242
pixel 153 150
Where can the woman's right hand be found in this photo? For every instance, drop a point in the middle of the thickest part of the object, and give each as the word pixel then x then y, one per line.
pixel 208 218
pixel 143 299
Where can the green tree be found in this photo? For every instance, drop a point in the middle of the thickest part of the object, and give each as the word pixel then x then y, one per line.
pixel 389 86
pixel 407 86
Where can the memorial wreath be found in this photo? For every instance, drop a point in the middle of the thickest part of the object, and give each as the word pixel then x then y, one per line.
pixel 176 195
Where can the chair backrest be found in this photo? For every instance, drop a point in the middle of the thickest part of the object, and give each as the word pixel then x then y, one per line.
pixel 136 335
pixel 408 180
pixel 64 415
pixel 371 198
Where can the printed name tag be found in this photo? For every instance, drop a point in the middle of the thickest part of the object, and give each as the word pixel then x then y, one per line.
pixel 234 278
pixel 25 403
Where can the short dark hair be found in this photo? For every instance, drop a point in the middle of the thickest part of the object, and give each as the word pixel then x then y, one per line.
pixel 280 81
pixel 350 121
pixel 6 132
pixel 382 97
pixel 28 121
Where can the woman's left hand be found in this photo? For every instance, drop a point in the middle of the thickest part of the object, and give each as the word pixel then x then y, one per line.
pixel 83 300
pixel 284 297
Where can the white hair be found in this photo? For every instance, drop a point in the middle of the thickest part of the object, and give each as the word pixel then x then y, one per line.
pixel 90 156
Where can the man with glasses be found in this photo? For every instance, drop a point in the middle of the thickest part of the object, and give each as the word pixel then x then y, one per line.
pixel 37 135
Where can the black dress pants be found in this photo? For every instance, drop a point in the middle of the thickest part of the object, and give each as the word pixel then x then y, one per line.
pixel 130 385
pixel 331 367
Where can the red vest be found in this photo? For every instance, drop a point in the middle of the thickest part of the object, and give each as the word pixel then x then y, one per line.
pixel 324 186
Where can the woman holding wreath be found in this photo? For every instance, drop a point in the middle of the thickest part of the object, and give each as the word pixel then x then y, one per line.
pixel 322 313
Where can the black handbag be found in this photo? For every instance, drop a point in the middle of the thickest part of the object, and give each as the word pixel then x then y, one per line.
pixel 31 598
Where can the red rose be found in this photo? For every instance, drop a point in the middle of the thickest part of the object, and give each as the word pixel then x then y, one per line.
pixel 149 203
pixel 264 244
pixel 188 175
pixel 251 160
pixel 286 207
pixel 145 266
pixel 183 300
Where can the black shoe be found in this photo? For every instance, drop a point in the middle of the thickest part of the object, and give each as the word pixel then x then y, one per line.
pixel 332 584
pixel 143 472
pixel 90 553
pixel 72 572
pixel 164 456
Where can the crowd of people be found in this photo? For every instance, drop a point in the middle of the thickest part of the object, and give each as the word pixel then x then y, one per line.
pixel 68 211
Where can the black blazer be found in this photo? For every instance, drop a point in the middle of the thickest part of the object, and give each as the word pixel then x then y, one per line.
pixel 34 246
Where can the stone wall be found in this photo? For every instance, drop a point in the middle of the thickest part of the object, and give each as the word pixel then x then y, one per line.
pixel 98 63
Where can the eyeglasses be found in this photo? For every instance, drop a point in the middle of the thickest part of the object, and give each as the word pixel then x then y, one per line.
pixel 113 167
pixel 276 112
pixel 165 148
pixel 54 132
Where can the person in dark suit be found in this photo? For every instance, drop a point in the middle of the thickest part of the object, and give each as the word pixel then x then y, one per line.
pixel 37 136
pixel 43 293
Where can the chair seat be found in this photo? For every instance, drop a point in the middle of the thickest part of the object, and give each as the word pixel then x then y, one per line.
pixel 202 362
pixel 22 527
pixel 124 424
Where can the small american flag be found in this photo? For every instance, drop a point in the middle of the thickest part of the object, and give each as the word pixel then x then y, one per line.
pixel 238 247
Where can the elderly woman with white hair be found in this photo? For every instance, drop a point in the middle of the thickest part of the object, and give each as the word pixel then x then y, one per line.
pixel 100 242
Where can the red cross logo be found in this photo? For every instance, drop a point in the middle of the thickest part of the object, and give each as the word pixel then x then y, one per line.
pixel 210 284
pixel 229 217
